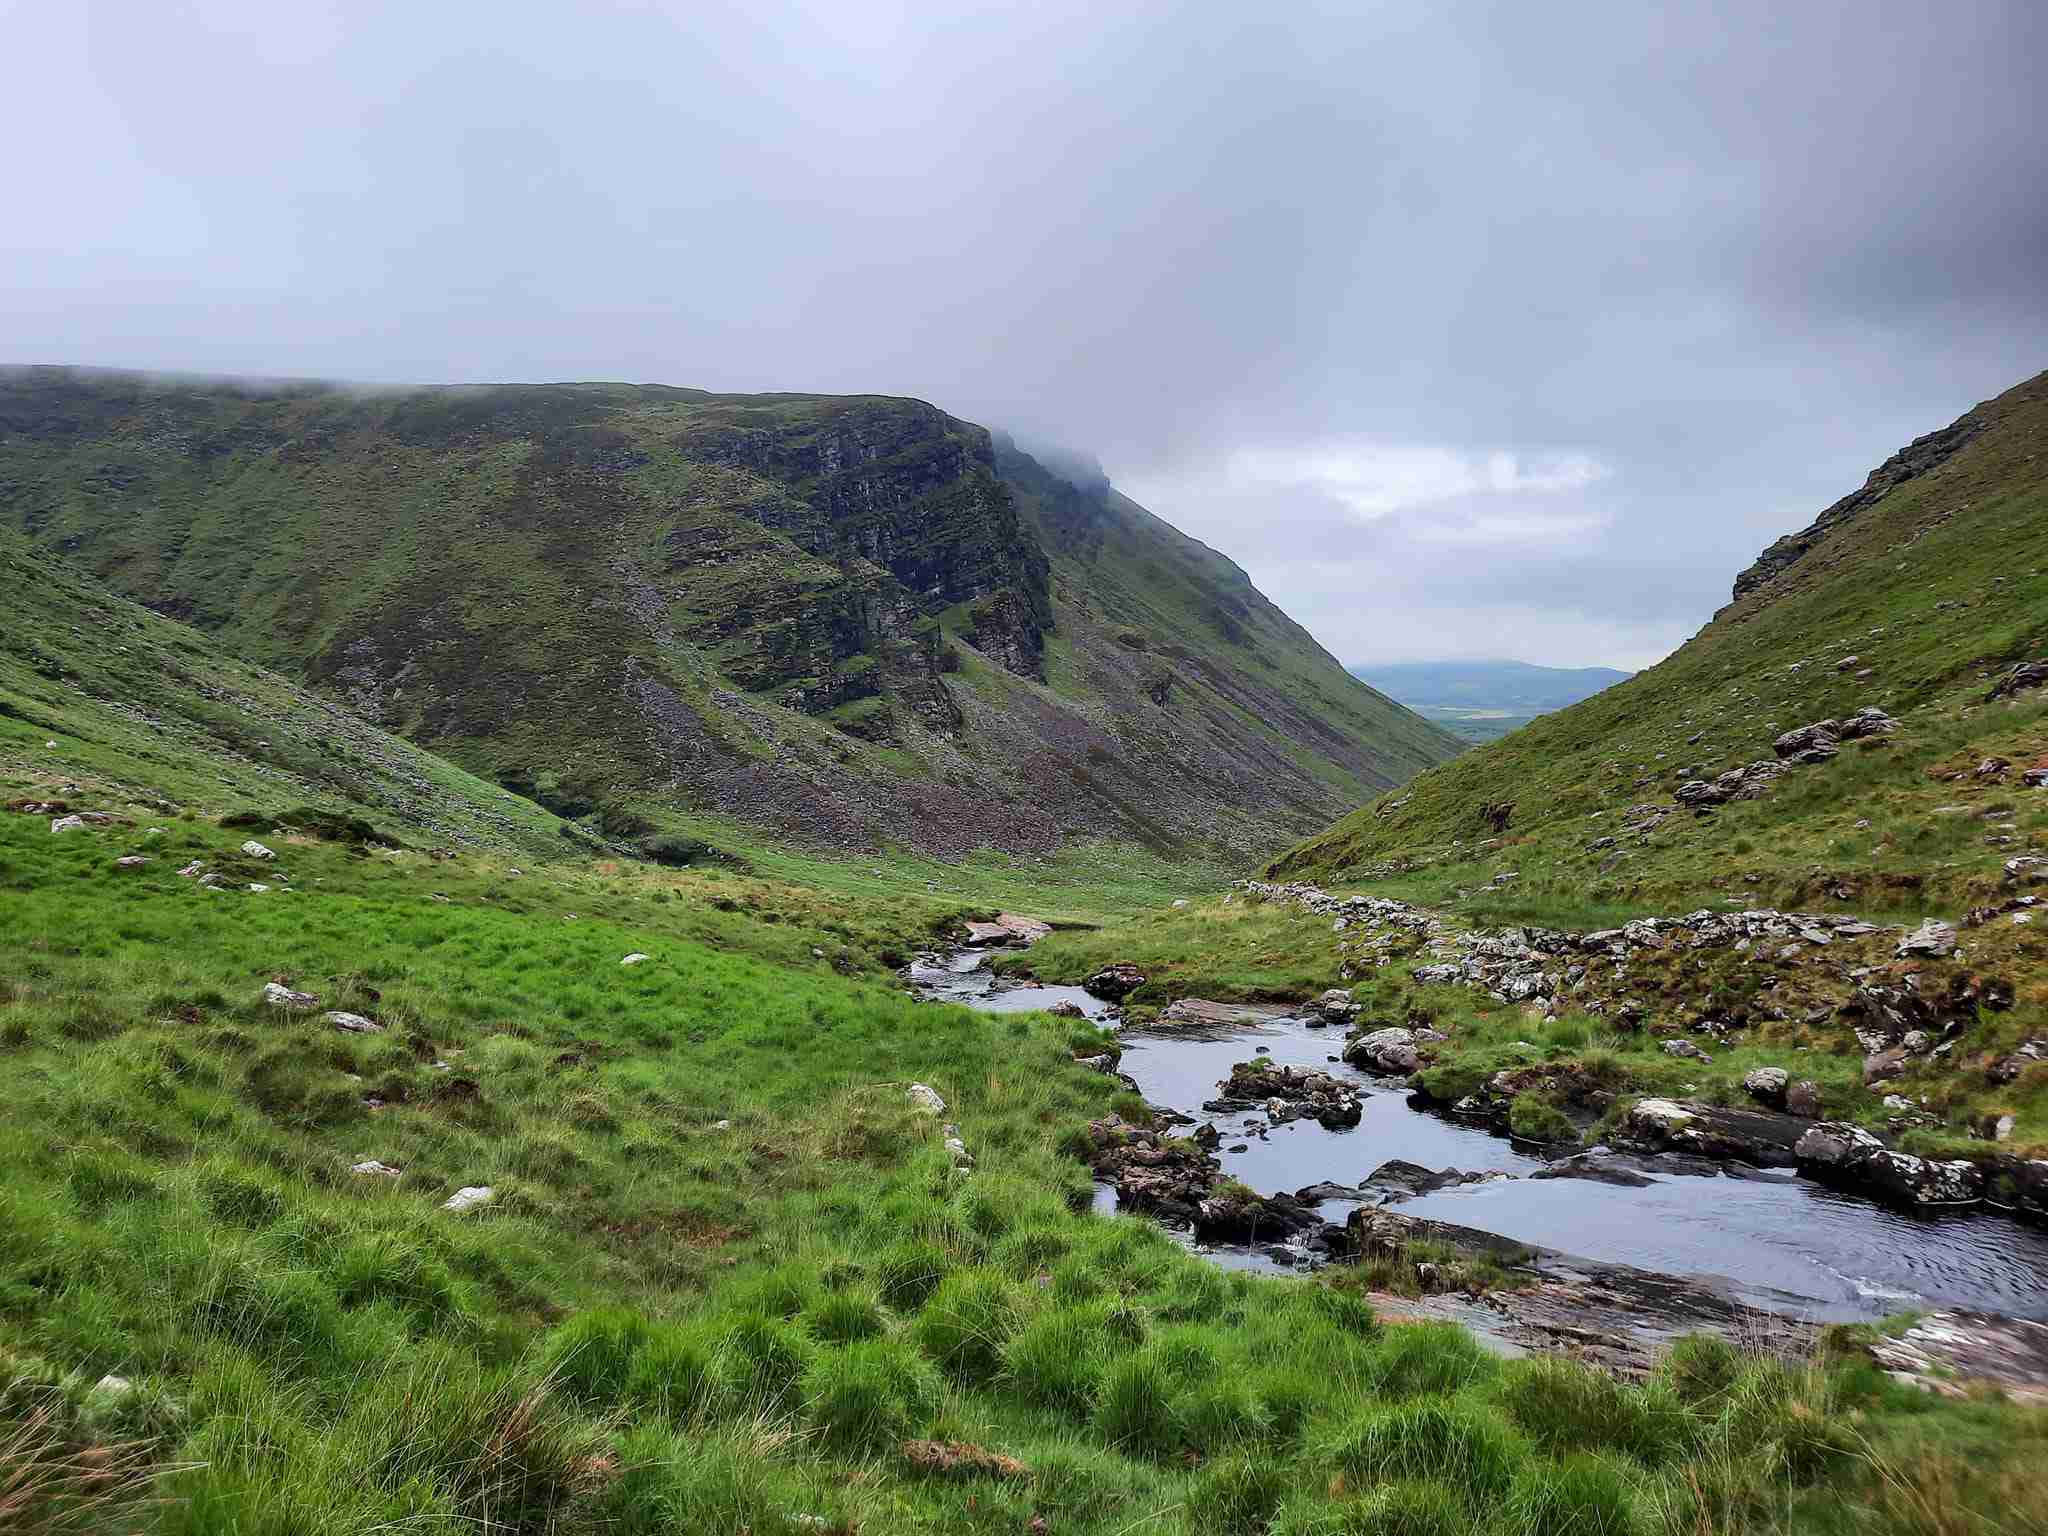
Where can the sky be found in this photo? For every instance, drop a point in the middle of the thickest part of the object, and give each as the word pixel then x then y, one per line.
pixel 1469 330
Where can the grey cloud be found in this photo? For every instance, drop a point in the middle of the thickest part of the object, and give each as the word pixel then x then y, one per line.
pixel 1734 254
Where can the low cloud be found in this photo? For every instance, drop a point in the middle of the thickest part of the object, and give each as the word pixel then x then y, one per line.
pixel 1466 329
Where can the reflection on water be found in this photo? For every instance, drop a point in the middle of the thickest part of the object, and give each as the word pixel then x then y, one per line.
pixel 1784 1241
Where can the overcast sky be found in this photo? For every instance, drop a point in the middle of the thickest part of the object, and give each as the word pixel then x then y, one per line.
pixel 1468 329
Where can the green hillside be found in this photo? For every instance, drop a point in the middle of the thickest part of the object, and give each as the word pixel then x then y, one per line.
pixel 375 1188
pixel 100 698
pixel 1915 595
pixel 844 619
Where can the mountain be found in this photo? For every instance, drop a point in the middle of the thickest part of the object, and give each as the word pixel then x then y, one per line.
pixel 1916 596
pixel 852 619
pixel 1482 700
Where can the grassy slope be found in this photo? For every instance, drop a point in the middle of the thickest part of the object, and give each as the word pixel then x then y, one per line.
pixel 99 696
pixel 668 1323
pixel 707 606
pixel 1937 587
pixel 726 1272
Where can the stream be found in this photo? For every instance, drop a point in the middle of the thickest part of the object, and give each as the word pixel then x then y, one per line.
pixel 1772 1238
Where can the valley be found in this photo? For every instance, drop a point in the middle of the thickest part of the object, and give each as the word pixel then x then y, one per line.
pixel 446 1084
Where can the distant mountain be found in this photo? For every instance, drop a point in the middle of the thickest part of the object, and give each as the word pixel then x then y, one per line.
pixel 1481 700
pixel 855 620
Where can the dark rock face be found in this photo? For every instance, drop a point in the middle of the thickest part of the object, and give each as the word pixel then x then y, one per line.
pixel 1916 458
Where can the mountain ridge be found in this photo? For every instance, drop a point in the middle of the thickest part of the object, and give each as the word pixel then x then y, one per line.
pixel 849 619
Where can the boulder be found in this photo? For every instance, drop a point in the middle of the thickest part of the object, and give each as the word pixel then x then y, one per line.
pixel 256 850
pixel 69 824
pixel 352 1023
pixel 277 995
pixel 1391 1050
pixel 1866 722
pixel 1753 1136
pixel 1809 743
pixel 1336 1006
pixel 1685 1048
pixel 636 958
pixel 376 1169
pixel 1114 983
pixel 2028 674
pixel 924 1098
pixel 1803 1099
pixel 469 1198
pixel 1933 940
pixel 1066 1009
pixel 133 861
pixel 1882 1066
pixel 1767 1085
pixel 1835 1147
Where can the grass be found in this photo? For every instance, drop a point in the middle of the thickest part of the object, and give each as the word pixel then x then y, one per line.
pixel 727 1273
pixel 661 1323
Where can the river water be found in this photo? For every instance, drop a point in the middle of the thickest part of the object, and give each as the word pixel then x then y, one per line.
pixel 1779 1241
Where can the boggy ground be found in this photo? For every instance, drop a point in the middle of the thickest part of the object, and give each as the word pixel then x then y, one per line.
pixel 728 1276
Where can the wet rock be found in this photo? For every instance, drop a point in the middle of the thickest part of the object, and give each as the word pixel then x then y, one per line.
pixel 1202 1013
pixel 1767 1085
pixel 1234 1214
pixel 1113 983
pixel 1837 1145
pixel 1848 1155
pixel 1289 1093
pixel 1063 1009
pixel 1314 1194
pixel 1399 1179
pixel 1598 1169
pixel 276 995
pixel 1753 1136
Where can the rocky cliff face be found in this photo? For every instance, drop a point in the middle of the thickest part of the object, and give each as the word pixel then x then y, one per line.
pixel 840 616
